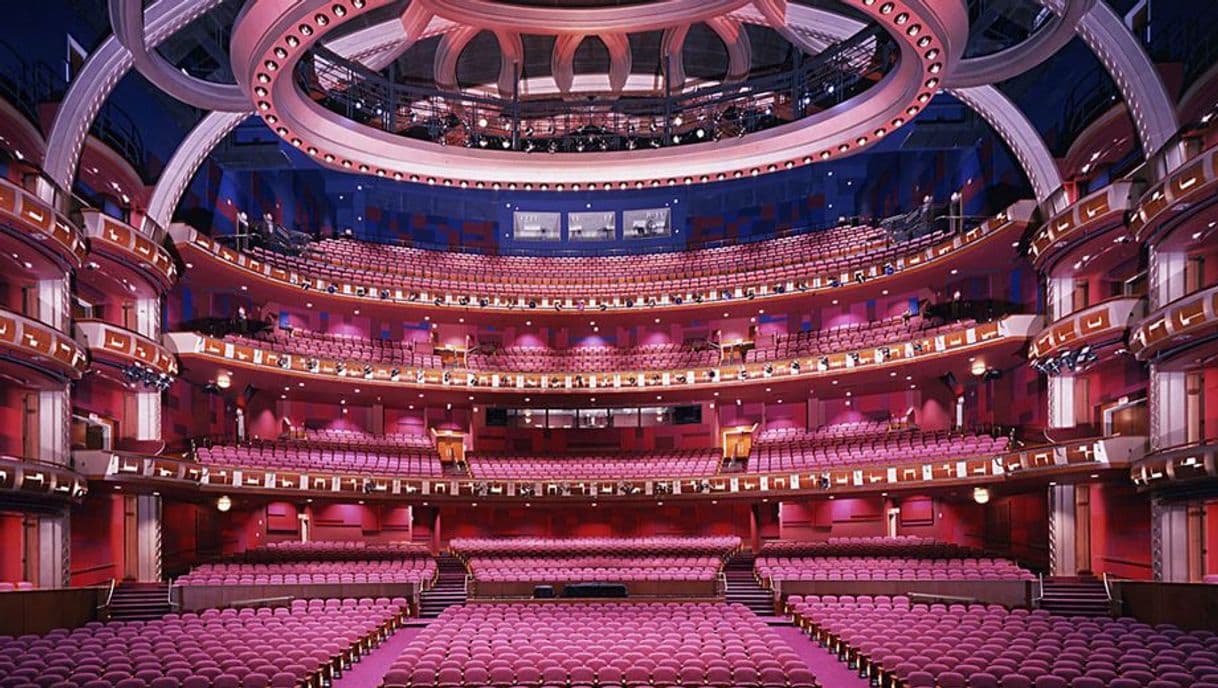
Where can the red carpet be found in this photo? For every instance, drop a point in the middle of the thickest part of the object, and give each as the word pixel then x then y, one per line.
pixel 371 669
pixel 830 673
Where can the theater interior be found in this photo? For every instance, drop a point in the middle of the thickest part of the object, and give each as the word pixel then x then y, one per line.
pixel 609 344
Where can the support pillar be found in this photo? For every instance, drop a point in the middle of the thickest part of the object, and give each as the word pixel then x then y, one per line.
pixel 48 562
pixel 1169 541
pixel 1062 531
pixel 148 535
pixel 755 528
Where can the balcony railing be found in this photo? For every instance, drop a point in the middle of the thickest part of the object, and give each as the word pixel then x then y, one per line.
pixel 1176 323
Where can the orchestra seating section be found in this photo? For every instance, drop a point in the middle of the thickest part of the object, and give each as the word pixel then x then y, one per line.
pixel 319 563
pixel 602 644
pixel 591 359
pixel 607 466
pixel 988 646
pixel 292 455
pixel 281 647
pixel 850 337
pixel 792 450
pixel 871 559
pixel 710 270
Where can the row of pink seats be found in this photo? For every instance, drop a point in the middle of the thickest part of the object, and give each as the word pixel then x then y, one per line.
pixel 659 545
pixel 846 338
pixel 289 456
pixel 293 563
pixel 891 448
pixel 611 569
pixel 371 267
pixel 624 465
pixel 789 435
pixel 723 260
pixel 988 646
pixel 356 438
pixel 624 645
pixel 324 345
pixel 284 647
pixel 871 545
pixel 888 568
pixel 6 586
pixel 592 359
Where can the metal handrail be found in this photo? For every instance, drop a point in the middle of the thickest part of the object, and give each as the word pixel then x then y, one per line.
pixel 169 597
pixel 1040 590
pixel 949 598
pixel 109 595
pixel 722 581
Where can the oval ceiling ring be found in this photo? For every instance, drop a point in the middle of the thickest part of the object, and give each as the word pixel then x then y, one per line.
pixel 270 38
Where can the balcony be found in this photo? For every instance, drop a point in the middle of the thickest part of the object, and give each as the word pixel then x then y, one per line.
pixel 34 345
pixel 207 355
pixel 1090 216
pixel 1100 325
pixel 132 250
pixel 27 218
pixel 28 480
pixel 1182 464
pixel 1178 324
pixel 1081 458
pixel 388 289
pixel 124 348
pixel 1184 192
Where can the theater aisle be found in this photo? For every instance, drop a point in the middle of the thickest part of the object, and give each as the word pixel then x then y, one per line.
pixel 369 671
pixel 829 672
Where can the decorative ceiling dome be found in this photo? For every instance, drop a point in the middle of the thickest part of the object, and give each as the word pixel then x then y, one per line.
pixel 602 87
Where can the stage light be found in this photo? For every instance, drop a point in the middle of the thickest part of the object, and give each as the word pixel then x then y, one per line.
pixel 224 503
pixel 981 495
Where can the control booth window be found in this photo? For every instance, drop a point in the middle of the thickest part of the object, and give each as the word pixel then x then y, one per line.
pixel 646 223
pixel 530 226
pixel 592 226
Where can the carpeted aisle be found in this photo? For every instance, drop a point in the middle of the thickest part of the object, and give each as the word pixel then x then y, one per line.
pixel 369 671
pixel 830 673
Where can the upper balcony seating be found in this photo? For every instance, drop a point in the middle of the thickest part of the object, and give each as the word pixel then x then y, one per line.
pixel 670 463
pixel 299 457
pixel 987 646
pixel 697 271
pixel 592 359
pixel 599 643
pixel 880 558
pixel 304 563
pixel 851 337
pixel 280 647
pixel 822 449
pixel 6 586
pixel 325 345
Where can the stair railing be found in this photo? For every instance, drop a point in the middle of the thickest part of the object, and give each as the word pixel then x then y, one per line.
pixel 105 605
pixel 721 584
pixel 173 604
pixel 468 584
pixel 1114 605
pixel 1040 591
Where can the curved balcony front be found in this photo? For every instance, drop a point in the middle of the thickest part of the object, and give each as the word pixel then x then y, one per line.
pixel 1181 465
pixel 600 289
pixel 30 482
pixel 38 354
pixel 28 219
pixel 1191 189
pixel 1089 217
pixel 1081 459
pixel 1183 323
pixel 133 258
pixel 123 349
pixel 1089 330
pixel 204 357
